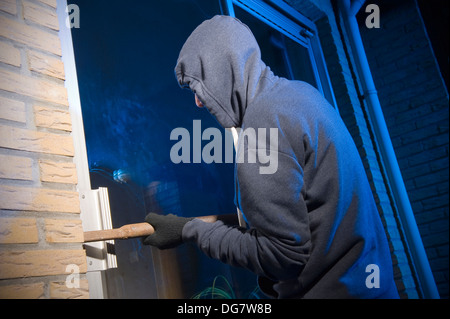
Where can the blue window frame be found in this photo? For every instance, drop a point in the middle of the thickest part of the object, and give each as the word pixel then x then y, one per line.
pixel 295 28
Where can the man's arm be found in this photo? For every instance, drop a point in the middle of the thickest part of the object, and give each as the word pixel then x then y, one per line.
pixel 277 243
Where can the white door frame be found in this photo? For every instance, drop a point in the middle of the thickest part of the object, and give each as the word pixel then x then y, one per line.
pixel 94 204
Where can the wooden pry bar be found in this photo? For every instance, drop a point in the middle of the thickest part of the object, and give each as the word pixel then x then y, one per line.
pixel 144 229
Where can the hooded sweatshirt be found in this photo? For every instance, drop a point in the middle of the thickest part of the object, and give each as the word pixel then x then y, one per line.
pixel 313 226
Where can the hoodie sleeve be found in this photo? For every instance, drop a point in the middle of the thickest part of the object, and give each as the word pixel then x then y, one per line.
pixel 277 243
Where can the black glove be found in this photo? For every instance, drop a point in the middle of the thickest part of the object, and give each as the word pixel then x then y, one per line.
pixel 168 229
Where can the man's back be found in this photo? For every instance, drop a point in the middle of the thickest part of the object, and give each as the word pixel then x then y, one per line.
pixel 346 234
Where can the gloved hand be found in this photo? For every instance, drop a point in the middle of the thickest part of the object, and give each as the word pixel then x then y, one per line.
pixel 168 229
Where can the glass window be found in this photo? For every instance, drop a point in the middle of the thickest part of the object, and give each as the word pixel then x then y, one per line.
pixel 288 41
pixel 283 55
pixel 125 54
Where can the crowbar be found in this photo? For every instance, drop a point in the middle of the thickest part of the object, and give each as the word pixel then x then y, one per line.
pixel 144 229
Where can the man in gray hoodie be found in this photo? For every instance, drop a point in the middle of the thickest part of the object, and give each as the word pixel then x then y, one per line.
pixel 313 227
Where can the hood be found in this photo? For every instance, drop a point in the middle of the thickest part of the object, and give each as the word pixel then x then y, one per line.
pixel 221 63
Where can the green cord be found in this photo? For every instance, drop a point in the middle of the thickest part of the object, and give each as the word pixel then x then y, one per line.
pixel 215 292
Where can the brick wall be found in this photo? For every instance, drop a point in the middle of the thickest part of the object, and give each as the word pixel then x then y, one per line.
pixel 415 104
pixel 40 226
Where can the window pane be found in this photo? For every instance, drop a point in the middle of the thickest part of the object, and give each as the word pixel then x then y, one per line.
pixel 283 55
pixel 125 56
